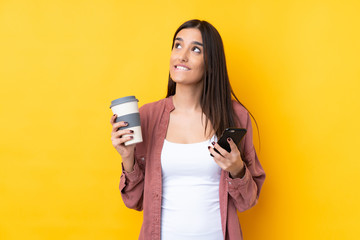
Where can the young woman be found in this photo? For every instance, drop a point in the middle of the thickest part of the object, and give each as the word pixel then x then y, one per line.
pixel 187 194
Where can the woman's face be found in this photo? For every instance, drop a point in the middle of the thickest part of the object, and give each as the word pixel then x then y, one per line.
pixel 187 57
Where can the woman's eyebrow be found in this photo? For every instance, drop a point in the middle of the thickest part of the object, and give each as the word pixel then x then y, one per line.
pixel 193 42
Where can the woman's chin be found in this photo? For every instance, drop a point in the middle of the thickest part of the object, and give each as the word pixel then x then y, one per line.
pixel 185 81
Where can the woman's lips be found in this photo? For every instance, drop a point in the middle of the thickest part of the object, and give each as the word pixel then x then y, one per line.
pixel 181 67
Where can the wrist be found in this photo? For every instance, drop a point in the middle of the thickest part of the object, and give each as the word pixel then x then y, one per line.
pixel 128 164
pixel 240 173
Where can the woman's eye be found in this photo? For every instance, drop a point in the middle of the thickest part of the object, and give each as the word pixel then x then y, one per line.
pixel 196 49
pixel 177 45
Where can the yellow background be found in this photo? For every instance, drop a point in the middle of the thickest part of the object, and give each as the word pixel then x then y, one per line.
pixel 295 64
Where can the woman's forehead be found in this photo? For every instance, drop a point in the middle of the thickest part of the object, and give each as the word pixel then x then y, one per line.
pixel 190 34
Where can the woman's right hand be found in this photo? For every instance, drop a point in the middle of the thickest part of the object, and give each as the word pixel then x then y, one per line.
pixel 118 140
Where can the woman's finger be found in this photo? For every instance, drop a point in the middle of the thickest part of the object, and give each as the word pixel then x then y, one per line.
pixel 215 154
pixel 112 119
pixel 233 146
pixel 219 160
pixel 220 163
pixel 222 151
pixel 118 125
pixel 120 141
pixel 120 133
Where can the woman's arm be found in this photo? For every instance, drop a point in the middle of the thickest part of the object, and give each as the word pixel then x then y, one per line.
pixel 244 174
pixel 132 178
pixel 132 185
pixel 245 191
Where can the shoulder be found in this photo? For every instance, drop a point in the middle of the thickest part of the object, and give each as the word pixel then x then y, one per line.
pixel 239 109
pixel 156 106
pixel 241 113
pixel 152 111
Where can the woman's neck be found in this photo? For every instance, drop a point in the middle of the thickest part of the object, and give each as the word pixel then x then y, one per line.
pixel 187 98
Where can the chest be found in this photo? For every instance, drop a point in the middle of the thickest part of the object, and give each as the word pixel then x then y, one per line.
pixel 188 128
pixel 189 162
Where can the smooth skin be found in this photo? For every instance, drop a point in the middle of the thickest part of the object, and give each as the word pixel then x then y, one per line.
pixel 126 152
pixel 187 122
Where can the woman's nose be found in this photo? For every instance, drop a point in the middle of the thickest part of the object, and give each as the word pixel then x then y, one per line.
pixel 183 56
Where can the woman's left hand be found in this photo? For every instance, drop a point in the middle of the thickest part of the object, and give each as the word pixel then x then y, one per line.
pixel 229 161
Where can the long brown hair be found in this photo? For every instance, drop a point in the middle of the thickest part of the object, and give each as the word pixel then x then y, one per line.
pixel 215 100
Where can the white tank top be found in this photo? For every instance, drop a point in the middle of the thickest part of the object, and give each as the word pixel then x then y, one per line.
pixel 190 196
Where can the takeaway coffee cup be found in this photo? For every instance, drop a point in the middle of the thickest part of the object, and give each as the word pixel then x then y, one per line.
pixel 127 110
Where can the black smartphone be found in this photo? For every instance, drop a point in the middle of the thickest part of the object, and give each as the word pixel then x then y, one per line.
pixel 236 134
